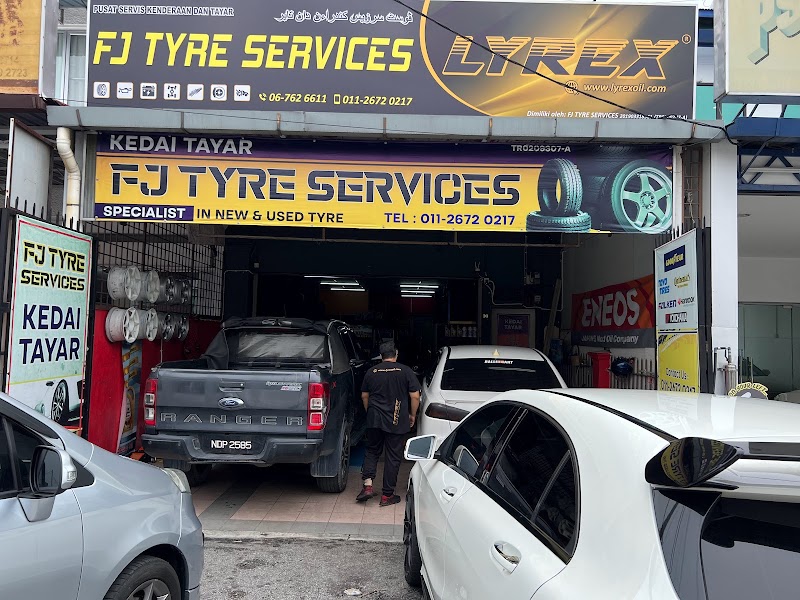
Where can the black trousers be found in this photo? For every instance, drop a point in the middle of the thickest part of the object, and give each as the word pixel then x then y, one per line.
pixel 377 440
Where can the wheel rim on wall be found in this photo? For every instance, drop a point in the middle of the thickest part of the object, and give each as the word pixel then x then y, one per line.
pixel 152 286
pixel 167 327
pixel 134 325
pixel 152 325
pixel 116 283
pixel 166 289
pixel 115 331
pixel 133 283
pixel 182 329
pixel 185 287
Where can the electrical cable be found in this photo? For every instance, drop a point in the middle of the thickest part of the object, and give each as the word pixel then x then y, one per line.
pixel 524 67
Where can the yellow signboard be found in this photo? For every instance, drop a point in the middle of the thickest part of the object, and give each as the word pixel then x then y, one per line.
pixel 678 369
pixel 20 45
pixel 467 187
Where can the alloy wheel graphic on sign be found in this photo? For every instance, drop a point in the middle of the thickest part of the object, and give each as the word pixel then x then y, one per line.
pixel 60 406
pixel 641 196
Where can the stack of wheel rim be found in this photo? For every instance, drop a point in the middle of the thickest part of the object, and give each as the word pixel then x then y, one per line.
pixel 560 193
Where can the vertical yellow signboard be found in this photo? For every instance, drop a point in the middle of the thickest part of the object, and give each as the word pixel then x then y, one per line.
pixel 20 46
pixel 677 315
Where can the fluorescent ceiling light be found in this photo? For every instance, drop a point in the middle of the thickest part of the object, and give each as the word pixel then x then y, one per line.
pixel 416 296
pixel 406 291
pixel 347 289
pixel 341 283
pixel 433 286
pixel 319 276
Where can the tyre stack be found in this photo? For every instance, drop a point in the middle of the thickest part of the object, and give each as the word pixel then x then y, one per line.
pixel 560 193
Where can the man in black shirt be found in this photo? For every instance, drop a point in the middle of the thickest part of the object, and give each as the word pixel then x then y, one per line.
pixel 391 398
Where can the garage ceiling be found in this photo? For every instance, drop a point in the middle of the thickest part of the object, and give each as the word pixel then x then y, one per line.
pixel 773 227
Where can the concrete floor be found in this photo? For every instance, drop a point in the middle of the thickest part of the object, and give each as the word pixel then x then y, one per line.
pixel 303 569
pixel 285 499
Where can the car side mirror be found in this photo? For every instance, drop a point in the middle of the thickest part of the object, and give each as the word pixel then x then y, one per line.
pixel 51 473
pixel 688 462
pixel 421 447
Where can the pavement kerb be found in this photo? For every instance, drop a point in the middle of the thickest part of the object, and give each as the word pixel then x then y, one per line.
pixel 254 536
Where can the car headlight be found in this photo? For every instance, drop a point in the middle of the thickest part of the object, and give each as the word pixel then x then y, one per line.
pixel 179 478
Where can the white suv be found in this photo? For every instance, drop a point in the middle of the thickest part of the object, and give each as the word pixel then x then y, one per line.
pixel 465 377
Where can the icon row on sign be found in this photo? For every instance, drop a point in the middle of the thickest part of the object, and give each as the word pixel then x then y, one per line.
pixel 217 92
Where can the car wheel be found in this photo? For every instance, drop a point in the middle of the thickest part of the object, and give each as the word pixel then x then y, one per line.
pixel 578 223
pixel 560 188
pixel 145 578
pixel 59 409
pixel 640 194
pixel 412 563
pixel 336 485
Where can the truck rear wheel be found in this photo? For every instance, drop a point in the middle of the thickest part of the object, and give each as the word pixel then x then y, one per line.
pixel 338 483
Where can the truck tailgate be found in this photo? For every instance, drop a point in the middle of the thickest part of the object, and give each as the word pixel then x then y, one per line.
pixel 233 402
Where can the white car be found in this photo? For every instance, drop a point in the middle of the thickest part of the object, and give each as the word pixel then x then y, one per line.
pixel 608 495
pixel 467 376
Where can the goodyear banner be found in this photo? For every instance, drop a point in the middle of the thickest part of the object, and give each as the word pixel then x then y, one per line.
pixel 677 315
pixel 616 316
pixel 464 187
pixel 375 56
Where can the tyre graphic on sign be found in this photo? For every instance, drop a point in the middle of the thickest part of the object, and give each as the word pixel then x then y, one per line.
pixel 633 196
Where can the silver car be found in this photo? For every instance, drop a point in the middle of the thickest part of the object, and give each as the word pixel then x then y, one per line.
pixel 80 523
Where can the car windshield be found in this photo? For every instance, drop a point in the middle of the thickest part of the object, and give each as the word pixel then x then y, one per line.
pixel 497 375
pixel 256 346
pixel 747 548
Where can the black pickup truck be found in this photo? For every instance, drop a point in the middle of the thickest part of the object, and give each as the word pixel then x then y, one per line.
pixel 267 391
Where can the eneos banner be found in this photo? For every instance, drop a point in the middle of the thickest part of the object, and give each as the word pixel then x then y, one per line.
pixel 375 56
pixel 453 187
pixel 616 316
pixel 49 312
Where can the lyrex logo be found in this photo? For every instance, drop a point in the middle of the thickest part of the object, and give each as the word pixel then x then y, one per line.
pixel 675 258
pixel 595 58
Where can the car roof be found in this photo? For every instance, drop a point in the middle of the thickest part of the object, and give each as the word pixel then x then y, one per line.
pixel 683 415
pixel 511 352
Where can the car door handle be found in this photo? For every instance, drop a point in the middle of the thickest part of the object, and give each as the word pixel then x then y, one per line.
pixel 448 493
pixel 506 555
pixel 232 386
